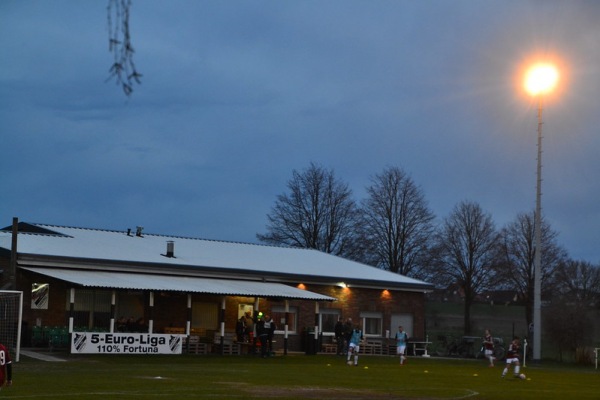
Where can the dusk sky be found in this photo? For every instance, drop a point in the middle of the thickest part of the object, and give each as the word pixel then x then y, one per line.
pixel 235 95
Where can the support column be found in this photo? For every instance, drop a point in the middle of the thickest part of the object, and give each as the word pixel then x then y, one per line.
pixel 151 313
pixel 222 325
pixel 316 339
pixel 255 316
pixel 71 309
pixel 286 327
pixel 113 301
pixel 188 323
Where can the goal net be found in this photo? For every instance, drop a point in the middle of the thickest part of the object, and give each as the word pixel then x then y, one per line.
pixel 11 315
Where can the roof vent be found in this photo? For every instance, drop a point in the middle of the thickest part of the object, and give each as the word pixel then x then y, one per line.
pixel 138 231
pixel 170 249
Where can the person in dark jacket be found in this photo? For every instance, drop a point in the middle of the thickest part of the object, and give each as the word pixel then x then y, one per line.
pixel 348 328
pixel 269 326
pixel 240 329
pixel 262 334
pixel 339 336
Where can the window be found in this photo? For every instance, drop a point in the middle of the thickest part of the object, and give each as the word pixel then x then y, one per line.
pixel 205 315
pixel 130 311
pixel 91 308
pixel 278 316
pixel 245 308
pixel 327 320
pixel 372 323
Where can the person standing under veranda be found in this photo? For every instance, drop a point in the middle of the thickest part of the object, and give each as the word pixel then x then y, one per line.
pixel 401 342
pixel 262 332
pixel 488 347
pixel 249 323
pixel 347 334
pixel 269 326
pixel 339 336
pixel 512 357
pixel 356 338
pixel 5 367
pixel 240 329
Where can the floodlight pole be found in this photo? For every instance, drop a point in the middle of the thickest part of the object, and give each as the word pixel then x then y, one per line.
pixel 537 260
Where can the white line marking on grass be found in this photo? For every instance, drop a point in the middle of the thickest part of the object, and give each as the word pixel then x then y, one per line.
pixel 120 393
pixel 470 393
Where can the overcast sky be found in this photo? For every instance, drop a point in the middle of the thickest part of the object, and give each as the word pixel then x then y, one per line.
pixel 235 95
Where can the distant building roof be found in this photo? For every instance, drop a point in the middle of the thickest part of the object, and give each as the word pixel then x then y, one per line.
pixel 41 245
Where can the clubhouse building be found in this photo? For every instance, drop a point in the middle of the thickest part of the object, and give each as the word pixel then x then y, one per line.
pixel 94 280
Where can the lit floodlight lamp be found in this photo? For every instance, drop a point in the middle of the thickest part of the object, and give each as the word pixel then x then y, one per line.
pixel 541 79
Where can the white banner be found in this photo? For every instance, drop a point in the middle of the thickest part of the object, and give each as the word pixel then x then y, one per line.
pixel 125 343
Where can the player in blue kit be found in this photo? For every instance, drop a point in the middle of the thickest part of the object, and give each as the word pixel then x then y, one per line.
pixel 356 337
pixel 401 342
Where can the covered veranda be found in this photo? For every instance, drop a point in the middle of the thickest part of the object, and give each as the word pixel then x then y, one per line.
pixel 189 285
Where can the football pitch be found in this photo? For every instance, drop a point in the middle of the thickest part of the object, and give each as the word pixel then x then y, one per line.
pixel 291 377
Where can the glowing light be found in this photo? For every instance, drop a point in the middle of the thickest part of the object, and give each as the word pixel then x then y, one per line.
pixel 541 79
pixel 301 286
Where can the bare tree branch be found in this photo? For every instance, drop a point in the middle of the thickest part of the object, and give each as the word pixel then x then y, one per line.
pixel 123 69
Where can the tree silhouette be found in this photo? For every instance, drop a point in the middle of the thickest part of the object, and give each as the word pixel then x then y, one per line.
pixel 515 264
pixel 466 249
pixel 318 212
pixel 398 223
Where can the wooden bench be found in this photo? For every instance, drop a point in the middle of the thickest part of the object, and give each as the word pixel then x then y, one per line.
pixel 196 346
pixel 372 347
pixel 230 345
pixel 389 349
pixel 231 349
pixel 330 346
pixel 419 345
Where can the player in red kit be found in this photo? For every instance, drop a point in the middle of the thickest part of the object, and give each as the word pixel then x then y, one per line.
pixel 5 367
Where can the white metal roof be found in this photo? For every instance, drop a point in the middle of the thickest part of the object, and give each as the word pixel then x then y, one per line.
pixel 200 255
pixel 117 280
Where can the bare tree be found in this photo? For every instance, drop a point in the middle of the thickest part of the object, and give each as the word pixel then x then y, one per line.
pixel 123 69
pixel 579 283
pixel 574 308
pixel 568 327
pixel 517 249
pixel 397 222
pixel 466 249
pixel 317 213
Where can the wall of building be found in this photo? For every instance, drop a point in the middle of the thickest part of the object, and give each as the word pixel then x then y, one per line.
pixel 353 301
pixel 170 308
pixel 55 314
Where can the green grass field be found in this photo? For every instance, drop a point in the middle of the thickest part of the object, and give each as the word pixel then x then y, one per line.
pixel 290 377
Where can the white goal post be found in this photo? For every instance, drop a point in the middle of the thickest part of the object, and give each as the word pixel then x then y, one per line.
pixel 11 317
